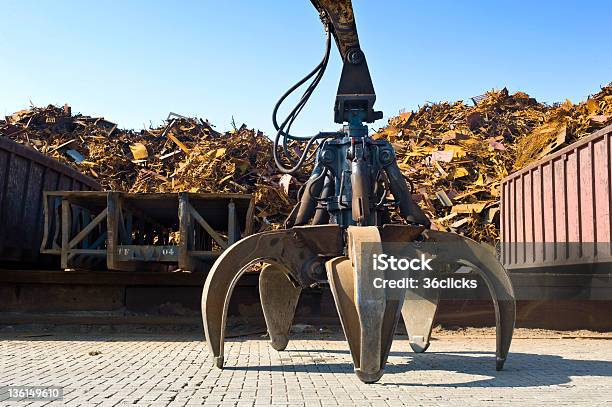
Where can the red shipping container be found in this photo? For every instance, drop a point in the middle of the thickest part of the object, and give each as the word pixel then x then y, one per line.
pixel 557 211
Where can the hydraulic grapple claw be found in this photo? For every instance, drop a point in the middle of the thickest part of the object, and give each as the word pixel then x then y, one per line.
pixel 355 185
pixel 369 315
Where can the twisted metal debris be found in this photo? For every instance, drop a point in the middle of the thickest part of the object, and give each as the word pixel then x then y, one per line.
pixel 456 152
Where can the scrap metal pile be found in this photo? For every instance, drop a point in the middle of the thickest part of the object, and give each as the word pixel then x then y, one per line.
pixel 184 154
pixel 454 153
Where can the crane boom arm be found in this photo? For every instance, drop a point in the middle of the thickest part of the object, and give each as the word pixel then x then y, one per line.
pixel 339 13
pixel 355 92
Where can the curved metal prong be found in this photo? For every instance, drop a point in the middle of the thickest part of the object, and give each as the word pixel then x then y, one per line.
pixel 342 284
pixel 482 260
pixel 279 297
pixel 369 300
pixel 369 318
pixel 420 305
pixel 294 249
pixel 418 312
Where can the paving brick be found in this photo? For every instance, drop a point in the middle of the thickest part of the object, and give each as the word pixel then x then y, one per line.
pixel 160 370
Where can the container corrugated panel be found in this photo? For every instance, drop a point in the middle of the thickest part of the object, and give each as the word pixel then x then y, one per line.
pixel 24 175
pixel 557 211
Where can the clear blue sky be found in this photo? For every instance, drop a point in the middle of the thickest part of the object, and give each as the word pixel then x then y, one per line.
pixel 135 61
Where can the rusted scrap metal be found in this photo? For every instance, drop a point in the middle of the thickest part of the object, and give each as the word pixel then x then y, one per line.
pixel 450 150
pixel 184 154
pixel 157 231
pixel 563 125
pixel 458 153
pixel 113 156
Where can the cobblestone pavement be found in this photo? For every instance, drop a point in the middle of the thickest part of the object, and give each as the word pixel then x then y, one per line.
pixel 165 370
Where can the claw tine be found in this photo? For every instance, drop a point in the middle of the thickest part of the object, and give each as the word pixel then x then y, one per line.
pixel 418 312
pixel 420 305
pixel 342 283
pixel 500 287
pixel 224 275
pixel 215 298
pixel 289 249
pixel 279 297
pixel 370 301
pixel 368 317
pixel 475 255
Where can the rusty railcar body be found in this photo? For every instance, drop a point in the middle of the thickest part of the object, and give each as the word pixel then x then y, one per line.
pixel 24 175
pixel 556 228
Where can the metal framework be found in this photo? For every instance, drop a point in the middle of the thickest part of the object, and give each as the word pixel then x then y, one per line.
pixel 122 231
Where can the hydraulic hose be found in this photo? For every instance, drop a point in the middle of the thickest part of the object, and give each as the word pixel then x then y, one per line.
pixel 284 128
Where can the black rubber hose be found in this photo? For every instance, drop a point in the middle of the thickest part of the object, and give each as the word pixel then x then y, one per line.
pixel 289 120
pixel 321 66
pixel 317 72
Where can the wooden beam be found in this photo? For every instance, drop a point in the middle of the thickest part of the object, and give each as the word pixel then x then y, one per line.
pixel 112 229
pixel 43 244
pixel 57 209
pixel 87 251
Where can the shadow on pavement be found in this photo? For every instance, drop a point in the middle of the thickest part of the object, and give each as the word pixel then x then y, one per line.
pixel 521 369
